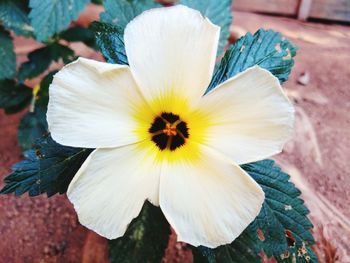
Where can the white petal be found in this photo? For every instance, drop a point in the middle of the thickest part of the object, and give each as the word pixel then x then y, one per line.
pixel 251 116
pixel 171 51
pixel 110 188
pixel 91 105
pixel 210 201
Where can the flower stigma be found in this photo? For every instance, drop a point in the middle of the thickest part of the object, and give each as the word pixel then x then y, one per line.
pixel 168 131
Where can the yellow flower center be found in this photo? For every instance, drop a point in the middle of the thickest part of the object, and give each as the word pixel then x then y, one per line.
pixel 169 129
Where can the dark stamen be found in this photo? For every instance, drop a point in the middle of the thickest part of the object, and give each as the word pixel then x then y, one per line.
pixel 157 125
pixel 170 117
pixel 177 141
pixel 161 140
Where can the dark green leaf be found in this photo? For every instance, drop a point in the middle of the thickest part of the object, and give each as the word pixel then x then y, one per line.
pixel 265 48
pixel 48 168
pixel 32 126
pixel 203 255
pixel 97 2
pixel 121 12
pixel 42 98
pixel 110 40
pixel 7 55
pixel 14 16
pixel 79 34
pixel 17 108
pixel 243 249
pixel 51 16
pixel 14 96
pixel 145 240
pixel 40 59
pixel 219 13
pixel 282 212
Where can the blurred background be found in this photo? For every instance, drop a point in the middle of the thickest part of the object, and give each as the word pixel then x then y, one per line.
pixel 318 158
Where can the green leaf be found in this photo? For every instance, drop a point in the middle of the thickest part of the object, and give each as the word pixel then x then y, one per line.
pixel 48 168
pixel 265 48
pixel 283 213
pixel 33 125
pixel 218 12
pixel 17 108
pixel 203 255
pixel 121 12
pixel 42 98
pixel 7 55
pixel 40 59
pixel 97 2
pixel 51 16
pixel 14 16
pixel 14 96
pixel 110 40
pixel 281 229
pixel 243 249
pixel 145 240
pixel 79 34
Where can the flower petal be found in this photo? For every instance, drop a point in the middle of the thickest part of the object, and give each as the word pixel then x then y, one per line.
pixel 110 188
pixel 172 51
pixel 210 201
pixel 251 116
pixel 91 105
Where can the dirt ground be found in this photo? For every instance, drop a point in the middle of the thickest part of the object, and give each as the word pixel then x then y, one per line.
pixel 46 230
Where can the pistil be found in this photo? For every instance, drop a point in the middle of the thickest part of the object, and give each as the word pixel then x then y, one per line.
pixel 170 130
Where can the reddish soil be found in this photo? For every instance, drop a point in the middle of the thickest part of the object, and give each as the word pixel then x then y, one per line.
pixel 46 230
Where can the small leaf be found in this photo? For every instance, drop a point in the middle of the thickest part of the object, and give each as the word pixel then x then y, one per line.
pixel 265 48
pixel 121 12
pixel 33 125
pixel 218 12
pixel 14 96
pixel 40 59
pixel 7 55
pixel 145 239
pixel 42 98
pixel 110 40
pixel 51 16
pixel 14 16
pixel 48 168
pixel 79 34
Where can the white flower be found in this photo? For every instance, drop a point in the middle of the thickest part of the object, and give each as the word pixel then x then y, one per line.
pixel 158 138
